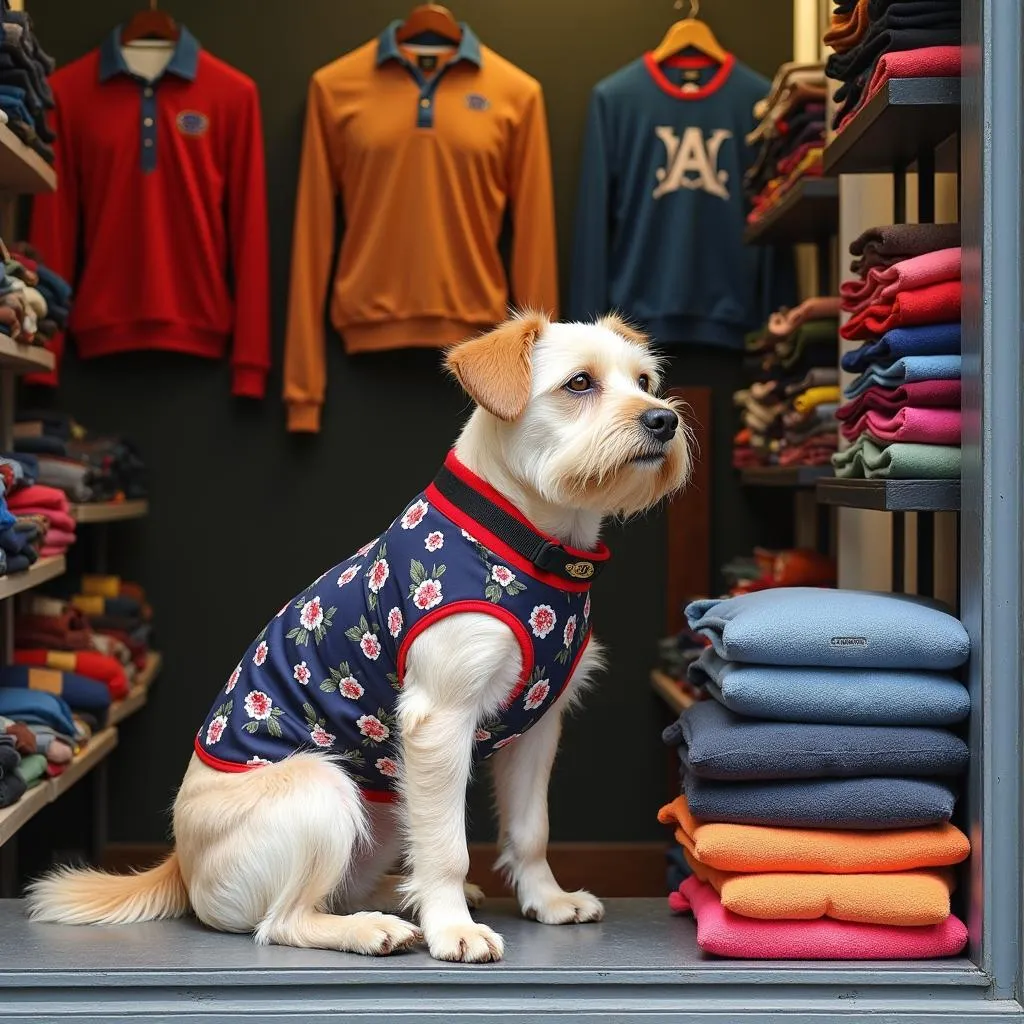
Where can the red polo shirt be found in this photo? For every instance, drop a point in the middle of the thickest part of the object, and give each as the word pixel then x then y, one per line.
pixel 160 214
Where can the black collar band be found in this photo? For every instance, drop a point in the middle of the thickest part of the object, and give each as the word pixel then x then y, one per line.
pixel 544 554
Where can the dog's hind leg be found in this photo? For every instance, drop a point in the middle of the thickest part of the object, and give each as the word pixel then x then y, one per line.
pixel 266 851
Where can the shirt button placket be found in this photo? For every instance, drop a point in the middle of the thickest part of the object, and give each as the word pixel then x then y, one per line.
pixel 148 128
pixel 426 112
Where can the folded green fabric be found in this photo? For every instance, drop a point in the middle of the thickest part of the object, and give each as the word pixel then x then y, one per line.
pixel 32 769
pixel 865 458
pixel 812 332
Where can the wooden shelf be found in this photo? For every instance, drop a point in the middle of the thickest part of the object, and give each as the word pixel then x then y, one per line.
pixel 670 691
pixel 109 511
pixel 784 476
pixel 43 570
pixel 906 117
pixel 22 170
pixel 23 358
pixel 13 817
pixel 809 212
pixel 891 495
pixel 139 693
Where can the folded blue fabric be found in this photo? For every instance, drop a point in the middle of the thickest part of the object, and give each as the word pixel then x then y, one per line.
pixel 871 803
pixel 837 696
pixel 905 371
pixel 35 707
pixel 926 340
pixel 831 628
pixel 716 743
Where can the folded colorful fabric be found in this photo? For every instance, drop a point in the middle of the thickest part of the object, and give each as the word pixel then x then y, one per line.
pixel 840 628
pixel 923 62
pixel 923 340
pixel 813 397
pixel 724 933
pixel 81 694
pixel 36 708
pixel 909 426
pixel 891 243
pixel 865 458
pixel 757 848
pixel 904 898
pixel 862 803
pixel 716 743
pixel 821 307
pixel 91 664
pixel 922 394
pixel 883 283
pixel 932 304
pixel 905 371
pixel 39 496
pixel 840 696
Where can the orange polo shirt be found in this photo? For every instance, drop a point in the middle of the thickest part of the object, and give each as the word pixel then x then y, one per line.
pixel 427 150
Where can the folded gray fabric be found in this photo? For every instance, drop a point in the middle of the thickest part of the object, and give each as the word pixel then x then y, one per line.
pixel 716 743
pixel 839 696
pixel 832 628
pixel 871 803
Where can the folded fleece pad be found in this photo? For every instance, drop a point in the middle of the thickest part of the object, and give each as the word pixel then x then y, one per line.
pixel 831 628
pixel 839 696
pixel 929 340
pixel 724 933
pixel 720 744
pixel 906 370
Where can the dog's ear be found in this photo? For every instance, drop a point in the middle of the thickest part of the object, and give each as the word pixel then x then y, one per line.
pixel 494 369
pixel 616 323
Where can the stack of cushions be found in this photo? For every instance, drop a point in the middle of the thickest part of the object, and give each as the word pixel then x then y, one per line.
pixel 878 40
pixel 902 414
pixel 790 136
pixel 788 409
pixel 820 776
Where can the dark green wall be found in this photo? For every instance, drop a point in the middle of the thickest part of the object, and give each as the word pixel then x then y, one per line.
pixel 244 515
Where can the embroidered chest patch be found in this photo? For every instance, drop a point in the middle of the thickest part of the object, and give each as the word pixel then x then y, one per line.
pixel 191 122
pixel 477 102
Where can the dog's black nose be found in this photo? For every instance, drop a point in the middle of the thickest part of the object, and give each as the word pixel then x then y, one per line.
pixel 661 423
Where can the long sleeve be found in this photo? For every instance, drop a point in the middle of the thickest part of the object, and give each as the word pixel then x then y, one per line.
pixel 305 373
pixel 250 252
pixel 588 293
pixel 534 249
pixel 54 226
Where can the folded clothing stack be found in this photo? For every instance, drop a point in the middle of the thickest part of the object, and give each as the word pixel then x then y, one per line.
pixel 25 93
pixel 820 777
pixel 790 136
pixel 86 468
pixel 788 409
pixel 48 507
pixel 878 40
pixel 790 567
pixel 902 417
pixel 34 301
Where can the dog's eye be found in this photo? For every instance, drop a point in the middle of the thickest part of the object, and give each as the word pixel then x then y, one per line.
pixel 644 382
pixel 580 383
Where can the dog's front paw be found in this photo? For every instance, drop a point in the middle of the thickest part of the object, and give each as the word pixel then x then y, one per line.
pixel 376 934
pixel 564 908
pixel 465 942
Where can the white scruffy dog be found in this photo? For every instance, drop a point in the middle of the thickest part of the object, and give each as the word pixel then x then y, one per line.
pixel 569 428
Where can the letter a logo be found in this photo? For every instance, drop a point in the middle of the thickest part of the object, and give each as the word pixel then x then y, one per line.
pixel 691 162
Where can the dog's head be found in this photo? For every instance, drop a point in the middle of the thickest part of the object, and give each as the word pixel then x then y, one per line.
pixel 576 412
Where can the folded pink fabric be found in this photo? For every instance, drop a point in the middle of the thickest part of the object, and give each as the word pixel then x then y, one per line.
pixel 821 307
pixel 933 304
pixel 57 519
pixel 882 283
pixel 60 538
pixel 724 933
pixel 942 394
pixel 49 550
pixel 39 496
pixel 909 424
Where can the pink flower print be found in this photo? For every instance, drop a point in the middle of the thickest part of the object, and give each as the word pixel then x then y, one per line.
pixel 233 679
pixel 373 728
pixel 300 673
pixel 482 736
pixel 542 620
pixel 257 761
pixel 427 594
pixel 312 614
pixel 349 575
pixel 395 621
pixel 378 575
pixel 537 694
pixel 370 646
pixel 570 631
pixel 414 514
pixel 320 736
pixel 502 574
pixel 258 705
pixel 387 766
pixel 586 608
pixel 260 654
pixel 365 549
pixel 434 541
pixel 507 740
pixel 349 687
pixel 215 729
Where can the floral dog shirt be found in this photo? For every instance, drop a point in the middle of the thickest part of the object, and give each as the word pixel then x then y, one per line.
pixel 326 672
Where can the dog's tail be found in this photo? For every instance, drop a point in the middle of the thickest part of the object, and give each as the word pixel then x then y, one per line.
pixel 86 896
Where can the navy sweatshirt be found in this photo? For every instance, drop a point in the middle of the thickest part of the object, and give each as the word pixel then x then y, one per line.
pixel 661 210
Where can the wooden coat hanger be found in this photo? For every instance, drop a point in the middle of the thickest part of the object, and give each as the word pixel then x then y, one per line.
pixel 689 32
pixel 430 19
pixel 150 24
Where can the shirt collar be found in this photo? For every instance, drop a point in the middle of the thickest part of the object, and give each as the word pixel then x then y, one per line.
pixel 183 62
pixel 388 49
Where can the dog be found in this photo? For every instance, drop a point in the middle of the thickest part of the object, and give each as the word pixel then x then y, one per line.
pixel 294 844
